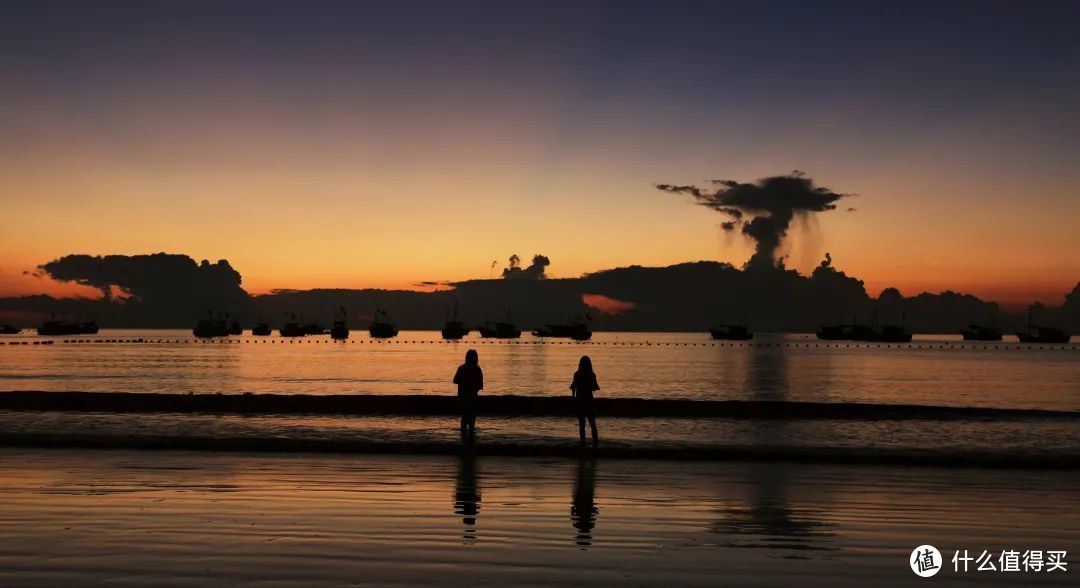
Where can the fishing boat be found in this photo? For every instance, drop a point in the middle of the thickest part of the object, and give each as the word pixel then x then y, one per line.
pixel 292 330
pixel 841 332
pixel 577 330
pixel 1040 334
pixel 889 334
pixel 454 330
pixel 975 332
pixel 67 328
pixel 499 330
pixel 731 332
pixel 381 327
pixel 210 327
pixel 340 330
pixel 873 333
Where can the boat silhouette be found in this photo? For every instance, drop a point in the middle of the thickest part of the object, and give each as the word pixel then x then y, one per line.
pixel 261 330
pixel 889 334
pixel 382 328
pixel 9 330
pixel 731 332
pixel 1041 334
pixel 210 327
pixel 454 329
pixel 840 332
pixel 292 328
pixel 75 327
pixel 975 332
pixel 865 333
pixel 577 330
pixel 235 328
pixel 499 330
pixel 1038 334
pixel 340 330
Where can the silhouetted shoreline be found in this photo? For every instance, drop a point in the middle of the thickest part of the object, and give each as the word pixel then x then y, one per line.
pixel 174 291
pixel 503 405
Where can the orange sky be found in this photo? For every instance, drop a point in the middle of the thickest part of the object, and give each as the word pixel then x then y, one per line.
pixel 305 222
pixel 336 158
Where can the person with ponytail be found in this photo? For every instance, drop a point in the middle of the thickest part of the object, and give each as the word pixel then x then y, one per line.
pixel 470 381
pixel 582 388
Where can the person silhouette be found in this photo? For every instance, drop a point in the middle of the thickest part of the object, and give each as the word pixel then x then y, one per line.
pixel 470 381
pixel 582 388
pixel 583 510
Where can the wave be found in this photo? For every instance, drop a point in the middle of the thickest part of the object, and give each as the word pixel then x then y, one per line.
pixel 519 406
pixel 952 458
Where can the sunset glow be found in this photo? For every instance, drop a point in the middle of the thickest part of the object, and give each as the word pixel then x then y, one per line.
pixel 328 165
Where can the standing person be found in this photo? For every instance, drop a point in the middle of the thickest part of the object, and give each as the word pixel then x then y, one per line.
pixel 582 388
pixel 470 381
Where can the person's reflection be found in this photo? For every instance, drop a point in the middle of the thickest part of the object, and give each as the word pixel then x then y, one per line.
pixel 583 511
pixel 467 496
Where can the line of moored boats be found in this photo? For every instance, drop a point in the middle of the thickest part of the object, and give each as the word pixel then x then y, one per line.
pixel 577 329
pixel 875 333
pixel 54 327
pixel 381 327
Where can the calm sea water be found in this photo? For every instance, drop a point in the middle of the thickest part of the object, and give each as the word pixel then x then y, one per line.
pixel 935 370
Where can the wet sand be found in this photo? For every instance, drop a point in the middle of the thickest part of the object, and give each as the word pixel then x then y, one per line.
pixel 168 518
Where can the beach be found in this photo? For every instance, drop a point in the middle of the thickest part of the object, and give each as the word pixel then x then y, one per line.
pixel 174 518
pixel 140 458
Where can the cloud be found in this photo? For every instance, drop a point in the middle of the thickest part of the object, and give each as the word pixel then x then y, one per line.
pixel 764 209
pixel 535 271
pixel 161 281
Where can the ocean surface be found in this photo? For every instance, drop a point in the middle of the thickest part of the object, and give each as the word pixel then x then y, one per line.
pixel 772 503
pixel 931 370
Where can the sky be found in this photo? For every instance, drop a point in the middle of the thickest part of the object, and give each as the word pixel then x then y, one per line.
pixel 350 144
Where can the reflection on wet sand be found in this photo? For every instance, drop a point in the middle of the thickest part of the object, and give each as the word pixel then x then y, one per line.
pixel 467 496
pixel 230 519
pixel 765 519
pixel 583 510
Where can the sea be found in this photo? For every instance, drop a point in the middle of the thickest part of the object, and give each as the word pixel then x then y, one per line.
pixel 971 448
pixel 930 371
